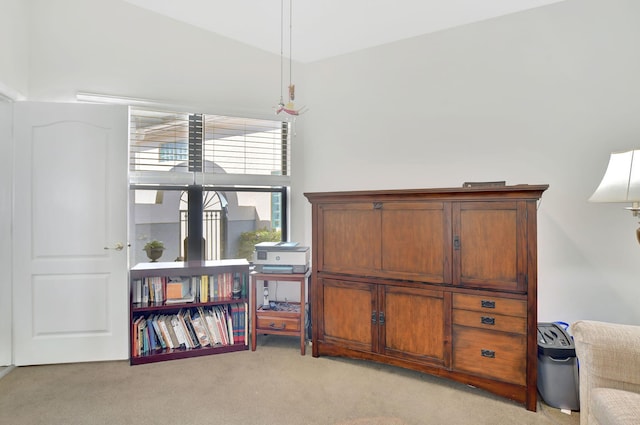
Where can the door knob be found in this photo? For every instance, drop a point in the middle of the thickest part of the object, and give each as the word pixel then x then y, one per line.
pixel 118 247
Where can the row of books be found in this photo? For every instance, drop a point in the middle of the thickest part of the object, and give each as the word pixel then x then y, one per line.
pixel 175 290
pixel 190 328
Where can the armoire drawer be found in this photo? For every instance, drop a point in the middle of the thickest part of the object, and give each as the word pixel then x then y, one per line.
pixel 490 321
pixel 497 355
pixel 490 303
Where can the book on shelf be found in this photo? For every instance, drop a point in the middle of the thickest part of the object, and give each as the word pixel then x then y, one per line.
pixel 184 300
pixel 143 337
pixel 154 342
pixel 200 329
pixel 155 286
pixel 246 324
pixel 204 288
pixel 192 337
pixel 229 326
pixel 164 332
pixel 172 338
pixel 214 288
pixel 220 286
pixel 135 343
pixel 214 331
pixel 177 328
pixel 174 290
pixel 188 342
pixel 212 328
pixel 145 291
pixel 212 313
pixel 221 323
pixel 180 291
pixel 237 314
pixel 161 340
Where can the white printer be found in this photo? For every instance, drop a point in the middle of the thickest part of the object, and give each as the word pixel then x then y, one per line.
pixel 281 257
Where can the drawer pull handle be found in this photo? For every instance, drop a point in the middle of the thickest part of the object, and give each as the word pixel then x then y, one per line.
pixel 272 325
pixel 488 304
pixel 486 320
pixel 488 353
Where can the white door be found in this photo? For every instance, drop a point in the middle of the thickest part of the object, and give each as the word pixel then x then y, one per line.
pixel 70 211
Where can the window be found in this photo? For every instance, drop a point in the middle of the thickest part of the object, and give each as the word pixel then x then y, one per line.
pixel 225 178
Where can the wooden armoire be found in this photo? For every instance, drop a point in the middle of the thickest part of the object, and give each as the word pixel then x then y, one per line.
pixel 442 281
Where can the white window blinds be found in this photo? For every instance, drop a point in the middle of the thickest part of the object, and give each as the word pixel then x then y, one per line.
pixel 185 148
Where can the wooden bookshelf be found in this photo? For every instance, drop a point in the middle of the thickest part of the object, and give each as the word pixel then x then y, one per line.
pixel 211 285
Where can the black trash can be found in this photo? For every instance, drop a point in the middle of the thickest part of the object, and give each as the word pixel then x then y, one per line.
pixel 558 381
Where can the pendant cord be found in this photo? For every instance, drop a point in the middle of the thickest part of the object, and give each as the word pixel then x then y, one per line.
pixel 281 49
pixel 289 107
pixel 290 40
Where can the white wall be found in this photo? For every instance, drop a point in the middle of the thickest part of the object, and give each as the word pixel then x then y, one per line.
pixel 537 97
pixel 6 179
pixel 113 47
pixel 14 48
pixel 541 96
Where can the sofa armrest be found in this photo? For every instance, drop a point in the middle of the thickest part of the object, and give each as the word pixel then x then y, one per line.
pixel 608 356
pixel 608 351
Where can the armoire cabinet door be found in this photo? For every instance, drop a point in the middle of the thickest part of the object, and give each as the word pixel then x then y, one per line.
pixel 490 245
pixel 346 318
pixel 416 241
pixel 350 238
pixel 413 324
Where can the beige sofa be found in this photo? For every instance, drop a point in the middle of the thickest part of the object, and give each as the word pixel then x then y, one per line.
pixel 609 367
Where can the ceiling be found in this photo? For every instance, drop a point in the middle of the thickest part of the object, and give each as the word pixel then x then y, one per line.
pixel 324 28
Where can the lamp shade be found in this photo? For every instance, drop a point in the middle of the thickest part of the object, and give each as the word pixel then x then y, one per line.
pixel 621 181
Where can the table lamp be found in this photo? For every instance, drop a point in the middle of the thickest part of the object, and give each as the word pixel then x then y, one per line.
pixel 621 182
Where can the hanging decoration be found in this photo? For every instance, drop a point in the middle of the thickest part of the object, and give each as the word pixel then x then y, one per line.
pixel 289 107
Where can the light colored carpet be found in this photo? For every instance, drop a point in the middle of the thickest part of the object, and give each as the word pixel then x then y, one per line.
pixel 373 421
pixel 273 385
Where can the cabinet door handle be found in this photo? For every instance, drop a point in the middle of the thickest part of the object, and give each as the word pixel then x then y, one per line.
pixel 488 353
pixel 486 320
pixel 488 304
pixel 374 317
pixel 381 318
pixel 272 325
pixel 377 205
pixel 456 243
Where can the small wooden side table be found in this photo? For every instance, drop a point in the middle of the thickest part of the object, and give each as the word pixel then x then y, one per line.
pixel 280 321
